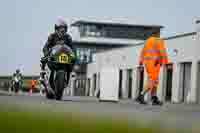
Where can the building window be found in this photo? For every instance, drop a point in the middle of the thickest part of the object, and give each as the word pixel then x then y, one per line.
pixel 84 55
pixel 92 31
pixel 93 57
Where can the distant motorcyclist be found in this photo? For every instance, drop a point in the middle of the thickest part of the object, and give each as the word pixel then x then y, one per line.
pixel 17 74
pixel 60 36
pixel 17 77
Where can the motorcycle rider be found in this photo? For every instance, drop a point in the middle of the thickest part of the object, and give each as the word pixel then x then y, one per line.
pixel 60 36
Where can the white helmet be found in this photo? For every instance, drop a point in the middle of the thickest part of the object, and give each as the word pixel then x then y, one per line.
pixel 61 23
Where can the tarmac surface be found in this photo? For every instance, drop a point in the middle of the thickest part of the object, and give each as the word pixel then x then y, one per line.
pixel 169 115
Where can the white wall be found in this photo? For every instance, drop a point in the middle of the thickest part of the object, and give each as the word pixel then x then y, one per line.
pixel 125 58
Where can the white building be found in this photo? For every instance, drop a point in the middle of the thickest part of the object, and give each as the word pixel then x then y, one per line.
pixel 100 36
pixel 177 85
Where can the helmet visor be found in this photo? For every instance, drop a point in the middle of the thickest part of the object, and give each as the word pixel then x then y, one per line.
pixel 61 31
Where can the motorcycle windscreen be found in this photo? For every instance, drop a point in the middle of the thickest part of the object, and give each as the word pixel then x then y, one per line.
pixel 61 49
pixel 109 78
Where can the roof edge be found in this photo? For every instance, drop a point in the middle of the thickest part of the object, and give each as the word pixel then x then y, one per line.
pixel 79 22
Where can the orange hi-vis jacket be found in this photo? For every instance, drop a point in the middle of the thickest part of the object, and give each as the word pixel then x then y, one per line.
pixel 154 49
pixel 153 54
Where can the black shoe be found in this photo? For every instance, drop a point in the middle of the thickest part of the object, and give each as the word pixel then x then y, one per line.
pixel 140 99
pixel 155 101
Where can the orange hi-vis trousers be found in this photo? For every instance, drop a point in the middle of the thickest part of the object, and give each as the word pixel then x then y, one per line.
pixel 152 71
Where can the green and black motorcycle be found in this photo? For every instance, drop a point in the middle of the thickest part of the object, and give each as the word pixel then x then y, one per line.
pixel 60 61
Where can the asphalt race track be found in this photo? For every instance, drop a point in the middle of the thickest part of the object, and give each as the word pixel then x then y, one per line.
pixel 168 115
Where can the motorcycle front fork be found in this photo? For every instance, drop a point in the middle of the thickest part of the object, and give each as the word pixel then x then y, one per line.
pixel 48 82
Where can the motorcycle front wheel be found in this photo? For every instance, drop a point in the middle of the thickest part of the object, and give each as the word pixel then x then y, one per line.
pixel 16 87
pixel 49 95
pixel 59 84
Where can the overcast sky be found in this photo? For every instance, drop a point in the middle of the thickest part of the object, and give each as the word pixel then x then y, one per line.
pixel 24 25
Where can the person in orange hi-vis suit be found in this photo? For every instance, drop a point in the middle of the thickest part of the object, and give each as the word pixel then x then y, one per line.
pixel 33 85
pixel 152 56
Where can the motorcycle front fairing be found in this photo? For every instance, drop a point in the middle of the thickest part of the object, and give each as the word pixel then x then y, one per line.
pixel 16 79
pixel 60 57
